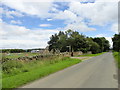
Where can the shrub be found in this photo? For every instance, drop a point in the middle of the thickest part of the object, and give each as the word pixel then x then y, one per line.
pixel 10 65
pixel 95 48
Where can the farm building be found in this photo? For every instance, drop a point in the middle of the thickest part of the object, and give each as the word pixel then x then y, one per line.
pixel 35 51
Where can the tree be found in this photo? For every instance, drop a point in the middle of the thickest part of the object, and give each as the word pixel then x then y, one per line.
pixel 77 42
pixel 116 42
pixel 103 43
pixel 99 42
pixel 12 50
pixel 93 46
pixel 53 43
pixel 62 41
pixel 106 46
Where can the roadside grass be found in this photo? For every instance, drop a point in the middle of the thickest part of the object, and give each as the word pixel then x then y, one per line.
pixel 117 58
pixel 17 73
pixel 34 70
pixel 91 54
pixel 14 67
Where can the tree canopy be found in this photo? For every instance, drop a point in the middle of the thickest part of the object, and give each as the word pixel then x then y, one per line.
pixel 116 42
pixel 77 42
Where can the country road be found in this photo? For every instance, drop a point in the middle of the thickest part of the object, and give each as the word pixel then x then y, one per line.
pixel 96 72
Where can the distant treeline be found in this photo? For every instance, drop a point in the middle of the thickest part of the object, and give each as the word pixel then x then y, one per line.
pixel 73 41
pixel 17 50
pixel 12 50
pixel 116 42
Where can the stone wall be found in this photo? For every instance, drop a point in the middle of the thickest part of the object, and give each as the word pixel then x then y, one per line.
pixel 39 57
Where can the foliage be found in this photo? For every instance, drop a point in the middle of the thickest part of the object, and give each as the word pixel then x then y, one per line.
pixel 103 43
pixel 116 42
pixel 12 50
pixel 117 58
pixel 116 47
pixel 73 41
pixel 9 66
pixel 94 47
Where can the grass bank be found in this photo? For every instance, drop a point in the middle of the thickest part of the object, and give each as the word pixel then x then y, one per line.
pixel 91 54
pixel 24 72
pixel 117 58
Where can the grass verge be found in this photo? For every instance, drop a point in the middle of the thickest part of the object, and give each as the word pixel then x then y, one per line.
pixel 117 58
pixel 91 54
pixel 22 78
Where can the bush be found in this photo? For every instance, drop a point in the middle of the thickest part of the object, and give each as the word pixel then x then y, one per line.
pixel 10 65
pixel 117 57
pixel 14 67
pixel 95 48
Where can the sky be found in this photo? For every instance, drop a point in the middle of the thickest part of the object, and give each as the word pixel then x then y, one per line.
pixel 30 23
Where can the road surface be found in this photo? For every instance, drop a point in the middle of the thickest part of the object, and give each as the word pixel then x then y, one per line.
pixel 97 72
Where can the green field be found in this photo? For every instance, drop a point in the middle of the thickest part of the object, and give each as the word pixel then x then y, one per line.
pixel 117 58
pixel 17 55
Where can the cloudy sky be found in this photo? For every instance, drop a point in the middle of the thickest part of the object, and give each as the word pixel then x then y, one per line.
pixel 30 23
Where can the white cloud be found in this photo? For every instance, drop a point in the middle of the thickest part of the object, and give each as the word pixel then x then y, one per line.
pixel 100 35
pixel 82 27
pixel 16 22
pixel 110 41
pixel 40 9
pixel 66 15
pixel 10 13
pixel 49 19
pixel 99 1
pixel 114 28
pixel 1 20
pixel 98 13
pixel 72 21
pixel 13 13
pixel 45 25
pixel 13 36
pixel 101 12
pixel 48 0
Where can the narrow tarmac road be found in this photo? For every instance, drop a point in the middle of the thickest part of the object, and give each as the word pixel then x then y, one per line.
pixel 97 72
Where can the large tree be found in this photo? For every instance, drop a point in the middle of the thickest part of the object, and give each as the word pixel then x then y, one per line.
pixel 93 46
pixel 73 41
pixel 76 41
pixel 53 43
pixel 103 43
pixel 116 42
